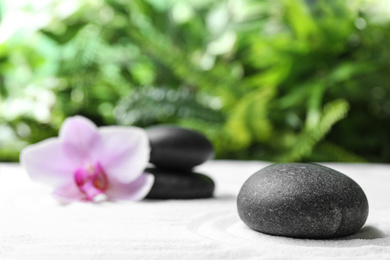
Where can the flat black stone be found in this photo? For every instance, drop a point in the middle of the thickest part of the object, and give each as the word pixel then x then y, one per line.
pixel 178 148
pixel 179 185
pixel 302 200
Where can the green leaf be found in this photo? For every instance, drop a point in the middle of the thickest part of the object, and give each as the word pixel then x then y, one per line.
pixel 347 70
pixel 66 36
pixel 328 151
pixel 248 121
pixel 308 138
pixel 300 19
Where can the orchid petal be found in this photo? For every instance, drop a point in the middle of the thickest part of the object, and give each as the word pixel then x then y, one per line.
pixel 68 192
pixel 125 152
pixel 47 162
pixel 81 139
pixel 85 163
pixel 135 190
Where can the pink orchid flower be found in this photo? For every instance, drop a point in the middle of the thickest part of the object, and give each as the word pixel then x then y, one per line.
pixel 87 163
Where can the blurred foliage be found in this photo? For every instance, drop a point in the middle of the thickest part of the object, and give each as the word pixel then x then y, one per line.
pixel 283 80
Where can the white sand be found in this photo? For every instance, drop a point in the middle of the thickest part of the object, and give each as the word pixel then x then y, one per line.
pixel 35 226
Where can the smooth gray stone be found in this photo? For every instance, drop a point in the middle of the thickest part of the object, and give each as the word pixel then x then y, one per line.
pixel 302 200
pixel 178 148
pixel 179 185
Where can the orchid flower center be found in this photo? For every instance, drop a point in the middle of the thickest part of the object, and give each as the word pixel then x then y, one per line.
pixel 91 180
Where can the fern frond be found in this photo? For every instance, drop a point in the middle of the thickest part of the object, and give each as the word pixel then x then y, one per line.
pixel 89 44
pixel 152 105
pixel 219 80
pixel 308 138
pixel 328 151
pixel 248 121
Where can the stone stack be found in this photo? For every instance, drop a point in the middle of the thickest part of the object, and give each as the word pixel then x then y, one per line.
pixel 175 152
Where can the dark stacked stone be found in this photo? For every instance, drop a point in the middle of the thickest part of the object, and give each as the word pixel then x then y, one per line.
pixel 174 153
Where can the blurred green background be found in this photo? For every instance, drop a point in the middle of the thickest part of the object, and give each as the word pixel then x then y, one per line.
pixel 267 80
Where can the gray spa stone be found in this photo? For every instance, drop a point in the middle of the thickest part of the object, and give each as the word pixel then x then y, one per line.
pixel 179 185
pixel 176 148
pixel 302 200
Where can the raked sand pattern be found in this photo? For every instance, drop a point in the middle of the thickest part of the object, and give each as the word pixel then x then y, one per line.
pixel 35 226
